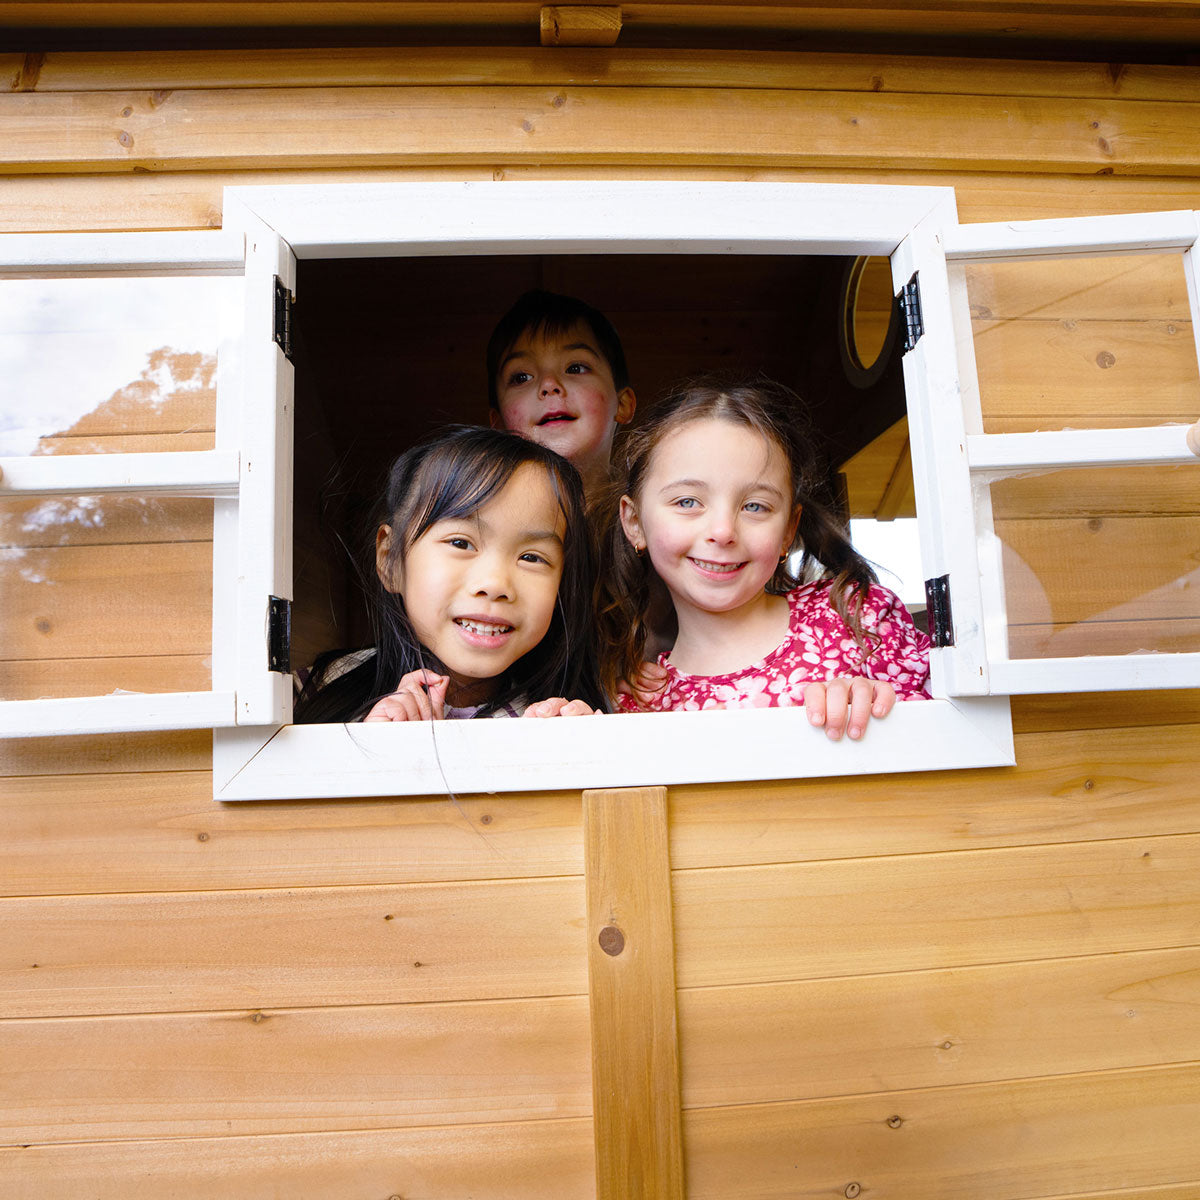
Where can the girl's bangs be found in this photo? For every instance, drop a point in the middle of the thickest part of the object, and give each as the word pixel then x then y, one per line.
pixel 459 485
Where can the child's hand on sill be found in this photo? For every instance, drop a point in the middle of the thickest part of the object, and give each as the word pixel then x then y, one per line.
pixel 421 696
pixel 559 706
pixel 845 705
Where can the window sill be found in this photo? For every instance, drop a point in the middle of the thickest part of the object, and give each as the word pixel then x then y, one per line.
pixel 345 761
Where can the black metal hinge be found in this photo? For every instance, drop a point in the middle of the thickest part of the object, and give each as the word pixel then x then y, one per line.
pixel 279 635
pixel 909 301
pixel 283 318
pixel 937 609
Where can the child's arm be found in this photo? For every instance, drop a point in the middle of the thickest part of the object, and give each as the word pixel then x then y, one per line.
pixel 421 696
pixel 845 705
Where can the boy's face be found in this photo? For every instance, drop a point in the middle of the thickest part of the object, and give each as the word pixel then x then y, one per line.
pixel 559 391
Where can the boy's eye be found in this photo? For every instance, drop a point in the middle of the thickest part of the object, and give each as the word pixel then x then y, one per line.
pixel 578 368
pixel 518 378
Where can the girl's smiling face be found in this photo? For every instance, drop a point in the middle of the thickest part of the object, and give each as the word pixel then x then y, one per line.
pixel 714 513
pixel 480 590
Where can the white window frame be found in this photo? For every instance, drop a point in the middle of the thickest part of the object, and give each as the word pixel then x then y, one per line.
pixel 258 755
pixel 392 220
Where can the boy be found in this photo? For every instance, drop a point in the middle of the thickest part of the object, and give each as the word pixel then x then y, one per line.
pixel 557 376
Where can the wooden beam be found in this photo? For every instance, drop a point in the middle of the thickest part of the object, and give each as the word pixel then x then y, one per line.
pixel 897 499
pixel 580 25
pixel 631 981
pixel 466 66
pixel 386 126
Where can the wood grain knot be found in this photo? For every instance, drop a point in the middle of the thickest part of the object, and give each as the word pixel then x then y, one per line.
pixel 612 940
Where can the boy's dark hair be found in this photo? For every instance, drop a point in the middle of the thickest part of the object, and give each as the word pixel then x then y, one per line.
pixel 551 315
pixel 624 584
pixel 453 475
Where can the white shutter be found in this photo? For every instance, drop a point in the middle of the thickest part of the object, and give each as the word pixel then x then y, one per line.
pixel 61 315
pixel 1062 457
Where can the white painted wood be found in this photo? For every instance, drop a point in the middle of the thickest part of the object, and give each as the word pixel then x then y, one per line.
pixel 596 216
pixel 116 713
pixel 1118 673
pixel 208 252
pixel 264 521
pixel 379 759
pixel 187 473
pixel 1053 450
pixel 941 480
pixel 1191 273
pixel 1131 233
pixel 234 749
pixel 993 597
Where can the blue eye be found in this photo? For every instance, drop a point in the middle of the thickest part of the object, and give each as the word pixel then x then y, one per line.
pixel 687 502
pixel 755 507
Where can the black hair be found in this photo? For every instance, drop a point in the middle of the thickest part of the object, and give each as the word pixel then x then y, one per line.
pixel 453 475
pixel 624 587
pixel 551 315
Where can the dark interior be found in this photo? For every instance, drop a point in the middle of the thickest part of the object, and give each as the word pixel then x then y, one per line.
pixel 389 349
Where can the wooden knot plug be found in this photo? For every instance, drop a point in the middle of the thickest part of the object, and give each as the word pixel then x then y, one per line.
pixel 612 940
pixel 580 25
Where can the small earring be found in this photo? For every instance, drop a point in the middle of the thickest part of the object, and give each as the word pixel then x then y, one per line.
pixel 640 551
pixel 783 556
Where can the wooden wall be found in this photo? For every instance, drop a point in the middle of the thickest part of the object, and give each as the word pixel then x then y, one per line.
pixel 976 984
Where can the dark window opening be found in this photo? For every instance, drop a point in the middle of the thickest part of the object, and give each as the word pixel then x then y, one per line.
pixel 389 349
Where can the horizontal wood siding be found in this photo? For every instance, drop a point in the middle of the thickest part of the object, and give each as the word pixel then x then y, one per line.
pixel 975 984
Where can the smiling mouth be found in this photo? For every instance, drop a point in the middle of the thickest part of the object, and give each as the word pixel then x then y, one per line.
pixel 717 568
pixel 482 628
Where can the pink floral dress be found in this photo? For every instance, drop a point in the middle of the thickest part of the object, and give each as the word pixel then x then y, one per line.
pixel 818 646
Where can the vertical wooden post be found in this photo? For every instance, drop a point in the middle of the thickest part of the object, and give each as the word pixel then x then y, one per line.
pixel 631 974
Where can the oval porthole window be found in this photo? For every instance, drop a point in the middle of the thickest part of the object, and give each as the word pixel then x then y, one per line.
pixel 870 319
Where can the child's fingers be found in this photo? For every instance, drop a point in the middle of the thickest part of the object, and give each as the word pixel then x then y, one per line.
pixel 814 703
pixel 861 696
pixel 395 707
pixel 437 696
pixel 559 706
pixel 845 705
pixel 649 681
pixel 885 700
pixel 837 707
pixel 421 696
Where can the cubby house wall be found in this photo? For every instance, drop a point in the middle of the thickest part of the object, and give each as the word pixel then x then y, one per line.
pixel 962 984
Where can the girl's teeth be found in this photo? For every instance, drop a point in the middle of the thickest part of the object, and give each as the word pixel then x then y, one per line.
pixel 479 627
pixel 710 566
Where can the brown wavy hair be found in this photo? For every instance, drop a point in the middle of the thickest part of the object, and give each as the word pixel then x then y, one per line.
pixel 627 583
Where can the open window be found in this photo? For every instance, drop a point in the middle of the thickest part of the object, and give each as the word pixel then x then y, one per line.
pixel 957 459
pixel 142 429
